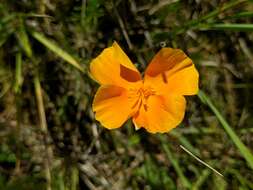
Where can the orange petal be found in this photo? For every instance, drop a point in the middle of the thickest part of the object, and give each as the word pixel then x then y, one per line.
pixel 113 67
pixel 171 71
pixel 112 106
pixel 161 114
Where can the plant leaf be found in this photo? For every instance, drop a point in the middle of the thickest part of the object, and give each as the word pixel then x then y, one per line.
pixel 239 144
pixel 56 49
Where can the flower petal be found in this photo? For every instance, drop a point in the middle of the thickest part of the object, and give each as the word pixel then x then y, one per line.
pixel 162 114
pixel 112 106
pixel 113 67
pixel 171 71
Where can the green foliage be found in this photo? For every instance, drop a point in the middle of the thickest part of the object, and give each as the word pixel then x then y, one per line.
pixel 25 183
pixel 6 155
pixel 243 149
pixel 155 177
pixel 185 182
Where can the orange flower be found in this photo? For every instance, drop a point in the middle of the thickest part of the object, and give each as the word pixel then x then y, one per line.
pixel 155 102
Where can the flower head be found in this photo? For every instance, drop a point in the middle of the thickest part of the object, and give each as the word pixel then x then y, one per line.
pixel 155 102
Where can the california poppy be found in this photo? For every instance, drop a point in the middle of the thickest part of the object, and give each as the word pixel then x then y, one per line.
pixel 155 102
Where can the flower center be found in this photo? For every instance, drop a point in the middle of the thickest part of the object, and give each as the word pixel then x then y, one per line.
pixel 140 97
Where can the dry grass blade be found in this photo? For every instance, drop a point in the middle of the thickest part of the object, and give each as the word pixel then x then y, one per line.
pixel 43 125
pixel 202 162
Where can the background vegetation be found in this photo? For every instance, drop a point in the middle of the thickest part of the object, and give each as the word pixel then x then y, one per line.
pixel 48 136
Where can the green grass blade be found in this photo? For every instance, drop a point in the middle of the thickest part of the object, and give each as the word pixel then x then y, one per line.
pixel 185 182
pixel 24 40
pixel 228 26
pixel 74 178
pixel 246 14
pixel 56 49
pixel 239 144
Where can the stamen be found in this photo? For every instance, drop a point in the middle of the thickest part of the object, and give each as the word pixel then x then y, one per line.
pixel 145 107
pixel 140 97
pixel 164 78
